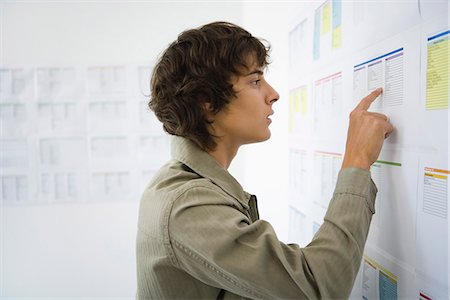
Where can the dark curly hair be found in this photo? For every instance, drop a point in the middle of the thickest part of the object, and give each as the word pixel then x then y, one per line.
pixel 197 69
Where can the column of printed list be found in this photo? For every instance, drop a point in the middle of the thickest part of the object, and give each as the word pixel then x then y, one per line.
pixel 297 224
pixel 327 166
pixel 437 71
pixel 375 75
pixel 385 71
pixel 14 177
pixel 432 229
pixel 298 174
pixel 359 83
pixel 435 192
pixel 378 282
pixel 393 89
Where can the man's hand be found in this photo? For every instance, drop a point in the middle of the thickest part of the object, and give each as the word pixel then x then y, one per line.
pixel 366 134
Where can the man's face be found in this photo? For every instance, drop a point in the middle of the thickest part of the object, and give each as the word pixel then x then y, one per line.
pixel 246 118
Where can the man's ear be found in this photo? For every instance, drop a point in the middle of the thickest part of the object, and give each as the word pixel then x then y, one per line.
pixel 207 106
pixel 208 111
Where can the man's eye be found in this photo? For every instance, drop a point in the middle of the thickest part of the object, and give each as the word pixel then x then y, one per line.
pixel 256 82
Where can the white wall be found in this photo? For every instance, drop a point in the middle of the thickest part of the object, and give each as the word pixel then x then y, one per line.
pixel 266 164
pixel 101 32
pixel 336 48
pixel 82 247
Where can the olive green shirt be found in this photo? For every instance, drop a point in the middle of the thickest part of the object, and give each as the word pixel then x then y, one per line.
pixel 199 233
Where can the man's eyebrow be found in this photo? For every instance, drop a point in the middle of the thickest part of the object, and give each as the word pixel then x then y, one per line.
pixel 259 72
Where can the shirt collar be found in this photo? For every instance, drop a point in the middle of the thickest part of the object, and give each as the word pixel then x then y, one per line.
pixel 206 166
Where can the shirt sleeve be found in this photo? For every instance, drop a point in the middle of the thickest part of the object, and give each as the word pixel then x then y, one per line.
pixel 216 243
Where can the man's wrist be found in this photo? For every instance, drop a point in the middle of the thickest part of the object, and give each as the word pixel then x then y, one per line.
pixel 355 163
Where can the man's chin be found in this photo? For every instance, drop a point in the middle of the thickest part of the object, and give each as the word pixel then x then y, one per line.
pixel 261 139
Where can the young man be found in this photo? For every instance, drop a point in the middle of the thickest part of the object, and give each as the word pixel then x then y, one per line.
pixel 199 233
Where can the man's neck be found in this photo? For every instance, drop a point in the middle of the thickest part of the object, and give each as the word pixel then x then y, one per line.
pixel 224 154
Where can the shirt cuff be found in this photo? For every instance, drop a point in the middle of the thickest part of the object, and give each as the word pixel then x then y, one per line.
pixel 357 182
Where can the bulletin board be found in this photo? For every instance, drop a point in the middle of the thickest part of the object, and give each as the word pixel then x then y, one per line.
pixel 339 52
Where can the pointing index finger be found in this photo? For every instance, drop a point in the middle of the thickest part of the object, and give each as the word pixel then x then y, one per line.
pixel 364 104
